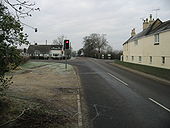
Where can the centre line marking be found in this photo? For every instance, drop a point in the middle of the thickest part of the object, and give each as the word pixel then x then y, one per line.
pixel 159 104
pixel 117 79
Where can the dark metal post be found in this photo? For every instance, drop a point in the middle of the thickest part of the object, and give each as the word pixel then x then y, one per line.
pixel 66 62
pixel 66 52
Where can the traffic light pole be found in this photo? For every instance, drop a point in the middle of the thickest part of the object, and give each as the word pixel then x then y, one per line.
pixel 66 48
pixel 66 62
pixel 66 52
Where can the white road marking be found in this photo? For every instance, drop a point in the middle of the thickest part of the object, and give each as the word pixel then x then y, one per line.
pixel 80 122
pixel 159 104
pixel 118 79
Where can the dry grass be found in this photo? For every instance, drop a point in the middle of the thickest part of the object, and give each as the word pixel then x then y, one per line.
pixel 47 87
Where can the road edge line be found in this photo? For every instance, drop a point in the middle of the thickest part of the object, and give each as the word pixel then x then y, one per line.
pixel 80 121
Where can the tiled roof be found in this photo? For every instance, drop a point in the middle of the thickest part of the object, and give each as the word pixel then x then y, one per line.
pixel 164 26
pixel 151 30
pixel 43 49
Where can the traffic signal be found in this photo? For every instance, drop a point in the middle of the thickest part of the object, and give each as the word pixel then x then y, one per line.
pixel 66 44
pixel 36 29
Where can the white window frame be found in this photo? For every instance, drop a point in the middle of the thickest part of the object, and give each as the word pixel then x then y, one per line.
pixel 127 58
pixel 163 60
pixel 140 58
pixel 136 42
pixel 150 59
pixel 132 58
pixel 156 38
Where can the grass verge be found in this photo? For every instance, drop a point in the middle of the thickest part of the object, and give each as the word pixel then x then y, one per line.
pixel 43 95
pixel 159 72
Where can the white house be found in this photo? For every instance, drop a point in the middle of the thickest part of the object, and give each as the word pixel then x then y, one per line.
pixel 151 46
pixel 46 51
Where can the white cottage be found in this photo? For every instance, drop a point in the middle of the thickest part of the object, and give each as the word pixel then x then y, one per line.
pixel 46 51
pixel 151 46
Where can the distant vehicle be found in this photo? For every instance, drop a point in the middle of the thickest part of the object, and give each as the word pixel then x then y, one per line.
pixel 57 56
pixel 109 56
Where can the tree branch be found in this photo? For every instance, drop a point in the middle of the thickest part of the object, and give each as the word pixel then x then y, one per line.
pixel 10 121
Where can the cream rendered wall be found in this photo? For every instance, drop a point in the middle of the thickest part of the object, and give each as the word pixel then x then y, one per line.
pixel 146 48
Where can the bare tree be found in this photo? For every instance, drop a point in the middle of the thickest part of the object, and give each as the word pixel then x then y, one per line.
pixel 80 52
pixel 59 40
pixel 101 43
pixel 94 43
pixel 117 54
pixel 109 49
pixel 21 8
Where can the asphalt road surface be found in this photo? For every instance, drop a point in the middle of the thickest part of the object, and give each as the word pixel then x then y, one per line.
pixel 117 98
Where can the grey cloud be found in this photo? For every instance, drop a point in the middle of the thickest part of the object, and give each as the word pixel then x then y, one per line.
pixel 78 18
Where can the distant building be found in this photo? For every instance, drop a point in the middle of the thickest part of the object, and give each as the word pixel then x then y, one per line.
pixel 23 52
pixel 46 51
pixel 151 46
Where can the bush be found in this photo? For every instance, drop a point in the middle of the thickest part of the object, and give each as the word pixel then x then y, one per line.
pixel 24 59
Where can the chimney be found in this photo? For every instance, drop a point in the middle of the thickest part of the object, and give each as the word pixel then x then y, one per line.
pixel 151 20
pixel 133 33
pixel 145 24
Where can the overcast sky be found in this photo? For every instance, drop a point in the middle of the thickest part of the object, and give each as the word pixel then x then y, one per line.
pixel 78 18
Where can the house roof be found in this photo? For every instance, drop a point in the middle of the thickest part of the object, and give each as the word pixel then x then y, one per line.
pixel 43 49
pixel 157 27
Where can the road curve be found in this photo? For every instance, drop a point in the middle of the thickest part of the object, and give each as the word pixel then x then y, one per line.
pixel 117 98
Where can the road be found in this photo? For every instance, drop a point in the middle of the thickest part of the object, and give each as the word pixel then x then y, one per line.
pixel 117 98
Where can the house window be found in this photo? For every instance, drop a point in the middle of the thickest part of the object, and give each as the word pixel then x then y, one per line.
pixel 156 36
pixel 163 60
pixel 150 58
pixel 140 58
pixel 55 54
pixel 127 46
pixel 136 42
pixel 36 52
pixel 132 58
pixel 126 57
